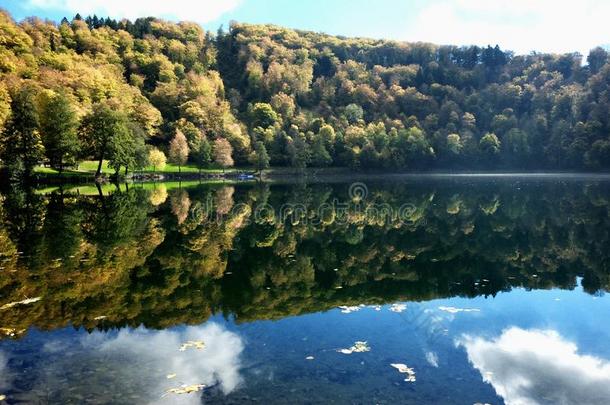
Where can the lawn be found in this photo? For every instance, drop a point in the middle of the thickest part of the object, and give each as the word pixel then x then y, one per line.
pixel 89 167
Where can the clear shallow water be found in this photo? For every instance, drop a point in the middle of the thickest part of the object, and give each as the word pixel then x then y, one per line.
pixel 502 284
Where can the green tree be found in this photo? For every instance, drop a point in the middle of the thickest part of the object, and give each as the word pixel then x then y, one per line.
pixel 261 158
pixel 319 155
pixel 103 131
pixel 58 126
pixel 21 147
pixel 262 115
pixel 299 152
pixel 203 154
pixel 490 144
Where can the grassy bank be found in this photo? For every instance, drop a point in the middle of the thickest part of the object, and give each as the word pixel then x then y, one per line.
pixel 86 171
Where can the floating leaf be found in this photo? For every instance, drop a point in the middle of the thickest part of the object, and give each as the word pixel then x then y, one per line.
pixel 197 344
pixel 398 307
pixel 348 309
pixel 404 369
pixel 358 347
pixel 185 389
pixel 170 376
pixel 454 310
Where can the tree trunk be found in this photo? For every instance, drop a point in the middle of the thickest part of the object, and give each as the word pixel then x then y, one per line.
pixel 99 166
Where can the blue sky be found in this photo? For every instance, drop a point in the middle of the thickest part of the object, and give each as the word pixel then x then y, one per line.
pixel 519 25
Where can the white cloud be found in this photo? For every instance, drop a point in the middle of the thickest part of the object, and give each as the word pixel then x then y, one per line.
pixel 539 367
pixel 137 362
pixel 201 11
pixel 519 25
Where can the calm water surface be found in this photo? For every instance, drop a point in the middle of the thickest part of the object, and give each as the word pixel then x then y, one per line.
pixel 466 290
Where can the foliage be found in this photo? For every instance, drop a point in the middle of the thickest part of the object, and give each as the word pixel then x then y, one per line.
pixel 373 103
pixel 223 153
pixel 178 149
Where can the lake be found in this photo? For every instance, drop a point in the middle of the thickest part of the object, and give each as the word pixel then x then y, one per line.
pixel 413 290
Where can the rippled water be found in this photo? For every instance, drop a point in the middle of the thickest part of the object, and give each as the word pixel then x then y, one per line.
pixel 432 290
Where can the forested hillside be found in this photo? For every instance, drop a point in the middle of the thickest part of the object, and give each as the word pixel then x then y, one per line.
pixel 122 91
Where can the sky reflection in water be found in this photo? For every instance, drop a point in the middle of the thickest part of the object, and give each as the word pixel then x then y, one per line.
pixel 470 306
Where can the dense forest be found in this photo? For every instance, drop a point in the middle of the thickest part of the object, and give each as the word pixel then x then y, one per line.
pixel 163 257
pixel 137 93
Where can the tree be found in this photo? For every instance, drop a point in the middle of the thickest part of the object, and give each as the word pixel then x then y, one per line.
pixel 103 131
pixel 58 126
pixel 223 153
pixel 21 148
pixel 128 149
pixel 319 155
pixel 261 158
pixel 203 154
pixel 597 59
pixel 157 159
pixel 299 152
pixel 263 115
pixel 353 113
pixel 454 143
pixel 178 150
pixel 490 144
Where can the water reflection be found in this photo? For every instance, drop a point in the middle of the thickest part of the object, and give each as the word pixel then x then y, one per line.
pixel 163 255
pixel 539 367
pixel 128 366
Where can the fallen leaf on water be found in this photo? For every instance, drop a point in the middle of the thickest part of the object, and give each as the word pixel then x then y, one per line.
pixel 23 302
pixel 358 347
pixel 404 369
pixel 169 376
pixel 348 309
pixel 197 344
pixel 398 307
pixel 185 389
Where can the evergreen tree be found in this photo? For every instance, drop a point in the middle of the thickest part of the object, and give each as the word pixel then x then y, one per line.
pixel 261 159
pixel 21 148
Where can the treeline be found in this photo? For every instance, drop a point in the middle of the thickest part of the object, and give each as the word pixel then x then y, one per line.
pixel 134 93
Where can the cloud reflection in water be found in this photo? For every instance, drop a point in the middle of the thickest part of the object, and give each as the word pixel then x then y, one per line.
pixel 539 367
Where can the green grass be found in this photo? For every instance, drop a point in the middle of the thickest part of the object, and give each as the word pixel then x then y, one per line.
pixel 88 168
